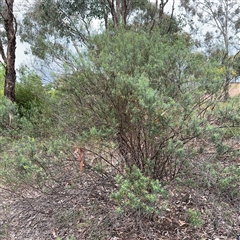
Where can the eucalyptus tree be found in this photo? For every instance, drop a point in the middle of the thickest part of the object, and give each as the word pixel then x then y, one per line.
pixel 53 26
pixel 8 38
pixel 219 24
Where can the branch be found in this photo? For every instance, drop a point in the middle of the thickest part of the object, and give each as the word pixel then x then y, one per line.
pixel 2 15
pixel 218 25
pixel 125 11
pixel 113 12
pixel 154 19
pixel 16 25
pixel 161 7
pixel 2 52
pixel 171 18
pixel 73 30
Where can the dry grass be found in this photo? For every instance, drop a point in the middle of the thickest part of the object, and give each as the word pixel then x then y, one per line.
pixel 234 89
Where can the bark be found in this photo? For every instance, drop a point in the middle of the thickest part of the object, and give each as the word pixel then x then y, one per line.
pixel 113 13
pixel 10 26
pixel 125 12
pixel 118 9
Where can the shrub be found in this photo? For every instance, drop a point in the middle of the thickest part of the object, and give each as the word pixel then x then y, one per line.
pixel 9 118
pixel 138 193
pixel 29 92
pixel 130 91
pixel 30 162
pixel 36 105
pixel 195 218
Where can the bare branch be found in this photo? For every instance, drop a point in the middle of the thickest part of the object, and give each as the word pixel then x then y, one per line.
pixel 171 18
pixel 2 52
pixel 161 7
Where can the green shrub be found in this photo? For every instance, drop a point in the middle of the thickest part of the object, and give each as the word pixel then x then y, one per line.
pixel 37 105
pixel 138 193
pixel 222 180
pixel 228 182
pixel 34 163
pixel 9 118
pixel 29 92
pixel 129 91
pixel 195 218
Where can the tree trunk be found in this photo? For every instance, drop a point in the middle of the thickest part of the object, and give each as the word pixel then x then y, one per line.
pixel 113 13
pixel 124 12
pixel 226 88
pixel 10 26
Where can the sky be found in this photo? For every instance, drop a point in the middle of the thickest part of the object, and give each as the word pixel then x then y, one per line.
pixel 19 8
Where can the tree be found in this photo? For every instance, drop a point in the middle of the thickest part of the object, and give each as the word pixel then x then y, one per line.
pixel 8 36
pixel 222 18
pixel 118 11
pixel 53 27
pixel 72 19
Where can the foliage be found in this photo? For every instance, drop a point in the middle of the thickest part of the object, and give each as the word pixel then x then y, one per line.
pixel 223 16
pixel 224 181
pixel 146 94
pixel 29 91
pixel 217 168
pixel 74 23
pixel 236 64
pixel 36 104
pixel 138 193
pixel 229 182
pixel 33 163
pixel 154 16
pixel 9 118
pixel 40 33
pixel 195 218
pixel 85 10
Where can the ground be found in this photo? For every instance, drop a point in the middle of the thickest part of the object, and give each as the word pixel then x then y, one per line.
pixel 234 89
pixel 86 212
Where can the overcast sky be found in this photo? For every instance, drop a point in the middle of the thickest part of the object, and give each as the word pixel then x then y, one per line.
pixel 19 7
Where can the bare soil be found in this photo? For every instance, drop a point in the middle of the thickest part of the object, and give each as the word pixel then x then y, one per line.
pixel 86 211
pixel 234 89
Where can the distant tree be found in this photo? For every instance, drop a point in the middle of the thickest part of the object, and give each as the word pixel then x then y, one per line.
pixel 8 38
pixel 222 19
